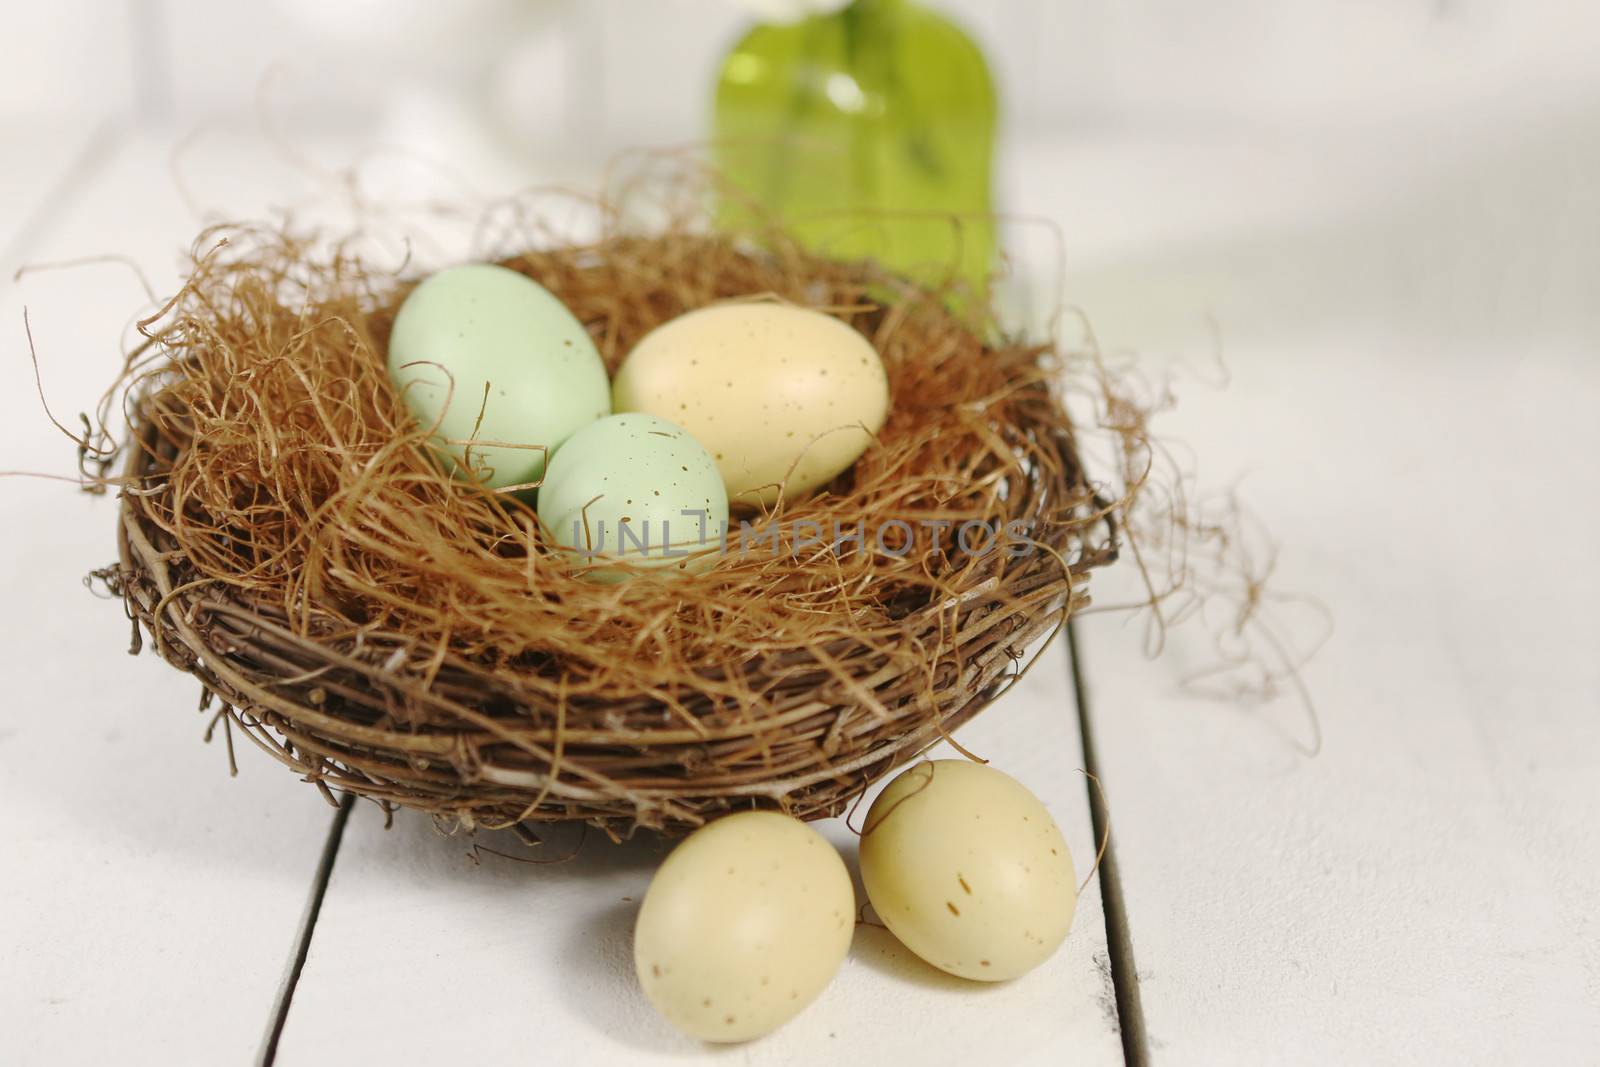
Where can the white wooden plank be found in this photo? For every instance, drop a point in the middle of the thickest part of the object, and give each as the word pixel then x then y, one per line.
pixel 41 157
pixel 66 60
pixel 421 953
pixel 1424 888
pixel 1413 386
pixel 148 903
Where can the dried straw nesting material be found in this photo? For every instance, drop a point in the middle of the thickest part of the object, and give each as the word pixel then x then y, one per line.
pixel 287 538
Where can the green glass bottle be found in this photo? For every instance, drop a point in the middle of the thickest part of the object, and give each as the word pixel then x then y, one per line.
pixel 867 133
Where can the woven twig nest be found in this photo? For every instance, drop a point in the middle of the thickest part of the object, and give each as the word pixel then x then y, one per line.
pixel 287 538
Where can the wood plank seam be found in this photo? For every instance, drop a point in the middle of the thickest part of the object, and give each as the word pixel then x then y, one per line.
pixel 149 42
pixel 97 151
pixel 1119 941
pixel 308 928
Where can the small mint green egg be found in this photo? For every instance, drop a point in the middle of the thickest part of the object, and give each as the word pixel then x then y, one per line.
pixel 638 489
pixel 484 354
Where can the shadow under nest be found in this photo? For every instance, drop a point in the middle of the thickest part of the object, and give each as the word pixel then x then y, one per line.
pixel 287 538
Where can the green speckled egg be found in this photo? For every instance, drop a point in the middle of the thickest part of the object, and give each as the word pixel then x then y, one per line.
pixel 635 488
pixel 514 353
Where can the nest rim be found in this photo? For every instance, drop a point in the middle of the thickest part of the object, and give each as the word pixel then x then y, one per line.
pixel 320 708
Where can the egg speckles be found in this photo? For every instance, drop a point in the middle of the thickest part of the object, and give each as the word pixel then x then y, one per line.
pixel 744 924
pixel 967 868
pixel 779 395
pixel 481 353
pixel 638 489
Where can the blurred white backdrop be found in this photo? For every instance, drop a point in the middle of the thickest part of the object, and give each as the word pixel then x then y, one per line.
pixel 1182 148
pixel 600 74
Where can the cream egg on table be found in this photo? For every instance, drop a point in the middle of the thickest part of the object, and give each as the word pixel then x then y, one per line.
pixel 743 925
pixel 967 868
pixel 638 489
pixel 481 353
pixel 779 395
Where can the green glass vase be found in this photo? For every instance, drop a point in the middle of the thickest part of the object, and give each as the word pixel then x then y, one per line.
pixel 867 133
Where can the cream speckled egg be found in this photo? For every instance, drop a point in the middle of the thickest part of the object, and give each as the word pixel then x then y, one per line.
pixel 638 489
pixel 774 392
pixel 744 924
pixel 966 867
pixel 486 354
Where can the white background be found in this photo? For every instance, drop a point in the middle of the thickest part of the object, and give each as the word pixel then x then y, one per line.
pixel 613 73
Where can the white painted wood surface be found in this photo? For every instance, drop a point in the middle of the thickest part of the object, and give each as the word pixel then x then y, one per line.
pixel 41 162
pixel 149 904
pixel 1415 364
pixel 422 954
pixel 1425 889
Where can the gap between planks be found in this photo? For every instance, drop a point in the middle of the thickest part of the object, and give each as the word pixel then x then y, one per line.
pixel 96 152
pixel 1119 942
pixel 308 927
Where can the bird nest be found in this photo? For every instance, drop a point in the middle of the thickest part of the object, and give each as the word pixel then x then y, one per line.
pixel 287 537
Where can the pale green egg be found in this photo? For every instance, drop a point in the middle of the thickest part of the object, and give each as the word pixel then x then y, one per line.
pixel 638 489
pixel 496 366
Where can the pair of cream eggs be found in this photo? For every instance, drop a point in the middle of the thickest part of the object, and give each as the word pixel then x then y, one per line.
pixel 735 402
pixel 751 916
